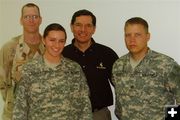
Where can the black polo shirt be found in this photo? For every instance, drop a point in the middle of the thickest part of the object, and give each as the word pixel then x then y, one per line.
pixel 96 62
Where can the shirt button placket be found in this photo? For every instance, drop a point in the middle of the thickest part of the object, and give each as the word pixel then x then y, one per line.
pixel 84 66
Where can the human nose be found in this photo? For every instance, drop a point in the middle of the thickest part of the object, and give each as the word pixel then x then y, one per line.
pixel 131 38
pixel 57 43
pixel 82 28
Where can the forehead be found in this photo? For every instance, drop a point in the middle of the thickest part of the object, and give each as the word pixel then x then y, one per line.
pixel 134 27
pixel 56 33
pixel 30 10
pixel 83 19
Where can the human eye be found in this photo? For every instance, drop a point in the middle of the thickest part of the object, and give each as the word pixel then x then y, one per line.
pixel 77 25
pixel 27 17
pixel 62 41
pixel 35 16
pixel 138 35
pixel 52 40
pixel 89 25
pixel 127 35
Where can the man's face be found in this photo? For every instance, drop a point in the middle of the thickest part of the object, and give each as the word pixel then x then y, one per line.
pixel 136 38
pixel 31 19
pixel 83 28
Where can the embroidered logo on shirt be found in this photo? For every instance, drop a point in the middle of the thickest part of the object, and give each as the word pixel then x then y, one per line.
pixel 101 66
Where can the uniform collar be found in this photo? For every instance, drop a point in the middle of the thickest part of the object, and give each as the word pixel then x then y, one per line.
pixel 148 57
pixel 25 48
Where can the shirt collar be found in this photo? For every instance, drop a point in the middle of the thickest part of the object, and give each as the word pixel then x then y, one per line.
pixel 92 45
pixel 25 48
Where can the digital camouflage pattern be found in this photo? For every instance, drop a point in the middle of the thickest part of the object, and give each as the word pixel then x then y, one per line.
pixel 12 56
pixel 142 93
pixel 59 93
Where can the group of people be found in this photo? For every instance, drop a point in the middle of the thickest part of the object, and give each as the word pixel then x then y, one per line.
pixel 42 79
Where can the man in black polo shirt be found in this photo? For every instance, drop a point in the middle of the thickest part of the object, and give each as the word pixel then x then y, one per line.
pixel 96 61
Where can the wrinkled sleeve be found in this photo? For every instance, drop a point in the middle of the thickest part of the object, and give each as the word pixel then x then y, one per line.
pixel 20 111
pixel 84 100
pixel 3 73
pixel 174 78
pixel 115 76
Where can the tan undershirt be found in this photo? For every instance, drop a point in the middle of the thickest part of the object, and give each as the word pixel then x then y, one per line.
pixel 134 63
pixel 49 64
pixel 33 50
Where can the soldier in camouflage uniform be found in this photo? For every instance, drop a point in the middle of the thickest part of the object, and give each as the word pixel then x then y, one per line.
pixel 17 52
pixel 145 81
pixel 52 86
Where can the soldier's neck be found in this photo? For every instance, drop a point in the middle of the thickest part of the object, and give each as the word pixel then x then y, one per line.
pixel 32 38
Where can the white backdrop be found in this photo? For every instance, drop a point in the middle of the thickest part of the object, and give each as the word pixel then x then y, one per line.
pixel 162 15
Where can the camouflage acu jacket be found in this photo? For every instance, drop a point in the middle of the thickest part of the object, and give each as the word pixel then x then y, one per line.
pixel 12 56
pixel 59 93
pixel 143 92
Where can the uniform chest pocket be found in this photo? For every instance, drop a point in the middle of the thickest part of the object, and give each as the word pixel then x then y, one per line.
pixel 35 92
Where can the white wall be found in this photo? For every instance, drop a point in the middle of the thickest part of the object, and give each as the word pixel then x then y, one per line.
pixel 162 15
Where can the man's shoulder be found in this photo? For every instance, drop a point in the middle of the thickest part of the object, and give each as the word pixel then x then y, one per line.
pixel 68 48
pixel 103 47
pixel 122 59
pixel 12 42
pixel 105 51
pixel 157 56
pixel 9 47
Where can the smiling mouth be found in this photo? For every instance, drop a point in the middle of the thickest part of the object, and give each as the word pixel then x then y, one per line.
pixel 82 35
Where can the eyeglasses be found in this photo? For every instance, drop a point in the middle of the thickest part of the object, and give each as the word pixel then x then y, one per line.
pixel 32 17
